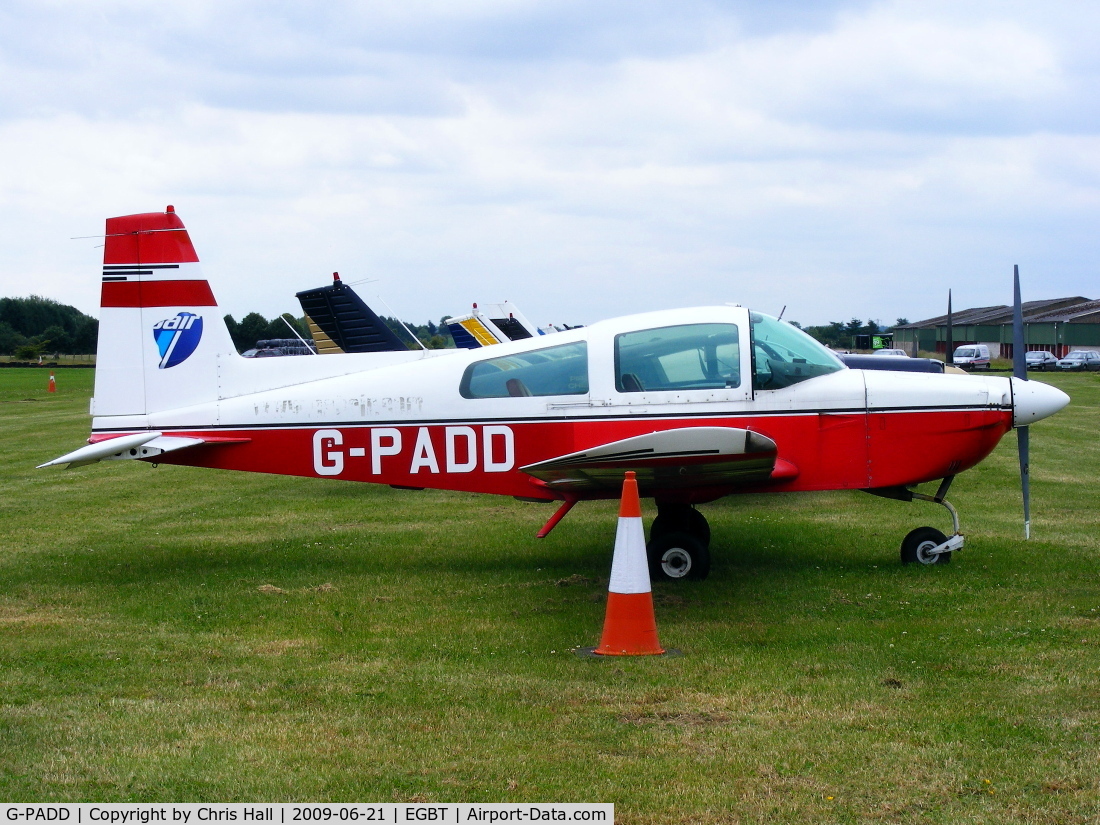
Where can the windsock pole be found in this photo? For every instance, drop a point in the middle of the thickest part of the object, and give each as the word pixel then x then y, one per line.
pixel 53 384
pixel 630 626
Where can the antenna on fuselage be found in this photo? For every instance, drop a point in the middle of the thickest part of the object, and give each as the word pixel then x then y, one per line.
pixel 780 318
pixel 310 347
pixel 402 323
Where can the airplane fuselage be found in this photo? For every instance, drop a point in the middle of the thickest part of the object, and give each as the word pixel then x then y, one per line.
pixel 419 419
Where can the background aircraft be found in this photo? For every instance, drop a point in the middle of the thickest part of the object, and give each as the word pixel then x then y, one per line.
pixel 701 403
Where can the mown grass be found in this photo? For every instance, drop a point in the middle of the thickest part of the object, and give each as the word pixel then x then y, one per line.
pixel 189 635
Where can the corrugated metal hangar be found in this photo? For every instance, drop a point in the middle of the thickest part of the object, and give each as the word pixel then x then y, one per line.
pixel 1056 325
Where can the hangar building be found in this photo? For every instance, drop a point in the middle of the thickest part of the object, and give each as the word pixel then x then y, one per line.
pixel 1057 325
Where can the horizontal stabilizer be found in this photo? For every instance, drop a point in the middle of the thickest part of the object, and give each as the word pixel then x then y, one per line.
pixel 670 459
pixel 102 449
pixel 138 445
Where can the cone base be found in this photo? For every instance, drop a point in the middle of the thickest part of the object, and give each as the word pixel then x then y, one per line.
pixel 590 653
pixel 630 627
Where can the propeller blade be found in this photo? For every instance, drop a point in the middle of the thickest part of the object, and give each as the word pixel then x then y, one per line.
pixel 950 343
pixel 1025 477
pixel 1019 365
pixel 1019 370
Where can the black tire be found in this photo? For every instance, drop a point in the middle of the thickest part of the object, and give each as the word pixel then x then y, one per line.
pixel 677 556
pixel 680 519
pixel 915 546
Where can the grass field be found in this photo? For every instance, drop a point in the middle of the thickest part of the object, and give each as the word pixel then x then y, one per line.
pixel 185 635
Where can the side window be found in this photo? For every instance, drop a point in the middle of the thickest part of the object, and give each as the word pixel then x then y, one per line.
pixel 561 370
pixel 688 357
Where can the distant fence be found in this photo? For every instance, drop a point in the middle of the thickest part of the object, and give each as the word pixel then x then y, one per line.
pixel 49 361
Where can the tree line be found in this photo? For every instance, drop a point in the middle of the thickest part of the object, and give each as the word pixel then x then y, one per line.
pixel 255 327
pixel 840 335
pixel 36 326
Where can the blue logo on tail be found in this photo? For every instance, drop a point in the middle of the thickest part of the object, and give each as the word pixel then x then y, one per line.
pixel 177 338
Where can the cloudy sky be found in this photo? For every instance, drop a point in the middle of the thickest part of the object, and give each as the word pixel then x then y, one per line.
pixel 583 159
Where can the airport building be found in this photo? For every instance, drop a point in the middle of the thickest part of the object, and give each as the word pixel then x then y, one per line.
pixel 1057 325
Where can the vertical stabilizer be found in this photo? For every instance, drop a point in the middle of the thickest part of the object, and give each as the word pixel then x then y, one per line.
pixel 160 331
pixel 340 322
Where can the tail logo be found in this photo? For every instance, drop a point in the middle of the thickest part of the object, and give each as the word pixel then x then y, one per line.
pixel 177 338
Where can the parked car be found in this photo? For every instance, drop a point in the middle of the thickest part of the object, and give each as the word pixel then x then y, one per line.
pixel 897 353
pixel 1040 360
pixel 1080 359
pixel 262 353
pixel 972 357
pixel 275 347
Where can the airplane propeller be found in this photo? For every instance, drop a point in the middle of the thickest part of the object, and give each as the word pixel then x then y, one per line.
pixel 950 343
pixel 1019 370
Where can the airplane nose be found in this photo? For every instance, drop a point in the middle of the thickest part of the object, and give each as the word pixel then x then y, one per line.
pixel 1033 401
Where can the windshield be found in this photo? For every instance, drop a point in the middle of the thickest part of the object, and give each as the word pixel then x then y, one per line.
pixel 966 352
pixel 1076 356
pixel 784 355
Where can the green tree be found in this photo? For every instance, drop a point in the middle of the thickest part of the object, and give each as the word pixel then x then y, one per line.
pixel 30 351
pixel 57 338
pixel 253 328
pixel 9 338
pixel 31 318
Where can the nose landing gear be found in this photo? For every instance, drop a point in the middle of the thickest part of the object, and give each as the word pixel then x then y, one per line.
pixel 926 545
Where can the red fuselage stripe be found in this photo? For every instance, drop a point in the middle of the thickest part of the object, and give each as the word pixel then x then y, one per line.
pixel 157 294
pixel 830 452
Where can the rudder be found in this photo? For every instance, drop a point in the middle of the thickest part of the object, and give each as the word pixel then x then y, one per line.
pixel 160 332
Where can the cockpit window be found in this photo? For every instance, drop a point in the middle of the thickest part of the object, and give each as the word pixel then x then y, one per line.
pixel 561 370
pixel 687 357
pixel 784 355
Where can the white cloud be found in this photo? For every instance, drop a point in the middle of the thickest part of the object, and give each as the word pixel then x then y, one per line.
pixel 855 162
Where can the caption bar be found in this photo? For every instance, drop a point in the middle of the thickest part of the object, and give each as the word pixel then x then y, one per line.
pixel 239 813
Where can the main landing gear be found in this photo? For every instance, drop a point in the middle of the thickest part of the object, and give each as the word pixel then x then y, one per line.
pixel 927 545
pixel 679 543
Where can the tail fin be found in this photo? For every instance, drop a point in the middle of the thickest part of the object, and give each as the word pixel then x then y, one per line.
pixel 160 332
pixel 340 322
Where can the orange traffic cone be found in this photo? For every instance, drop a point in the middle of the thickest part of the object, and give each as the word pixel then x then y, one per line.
pixel 630 627
pixel 53 384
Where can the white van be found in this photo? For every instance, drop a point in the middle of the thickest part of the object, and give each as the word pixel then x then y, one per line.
pixel 972 357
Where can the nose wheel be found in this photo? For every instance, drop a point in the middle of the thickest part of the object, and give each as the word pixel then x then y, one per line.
pixel 927 545
pixel 922 545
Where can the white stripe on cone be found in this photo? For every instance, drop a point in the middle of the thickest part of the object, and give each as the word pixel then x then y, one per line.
pixel 629 567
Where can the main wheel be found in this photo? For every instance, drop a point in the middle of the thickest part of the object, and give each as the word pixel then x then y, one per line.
pixel 677 555
pixel 915 547
pixel 680 518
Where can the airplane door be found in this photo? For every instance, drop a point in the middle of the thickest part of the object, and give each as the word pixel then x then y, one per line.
pixel 686 368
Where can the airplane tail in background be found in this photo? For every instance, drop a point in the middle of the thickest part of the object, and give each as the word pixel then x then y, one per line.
pixel 160 331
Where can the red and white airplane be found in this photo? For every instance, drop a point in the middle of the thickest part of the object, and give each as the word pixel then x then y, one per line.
pixel 700 403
